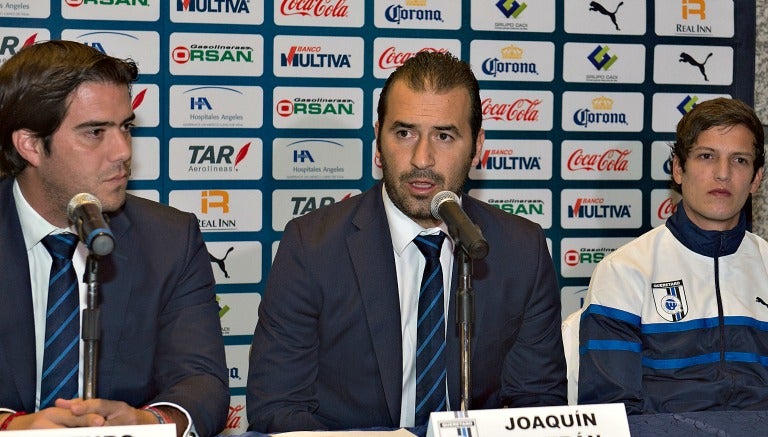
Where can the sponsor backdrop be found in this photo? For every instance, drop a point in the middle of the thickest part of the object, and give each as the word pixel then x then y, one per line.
pixel 250 113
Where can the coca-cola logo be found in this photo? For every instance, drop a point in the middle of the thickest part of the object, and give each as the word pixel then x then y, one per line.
pixel 666 208
pixel 519 110
pixel 391 58
pixel 316 8
pixel 234 417
pixel 610 160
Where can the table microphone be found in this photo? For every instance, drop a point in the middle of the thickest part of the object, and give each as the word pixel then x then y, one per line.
pixel 445 206
pixel 84 210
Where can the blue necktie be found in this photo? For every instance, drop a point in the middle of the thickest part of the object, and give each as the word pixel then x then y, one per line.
pixel 62 323
pixel 430 332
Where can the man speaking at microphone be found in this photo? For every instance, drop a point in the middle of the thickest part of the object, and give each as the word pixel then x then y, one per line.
pixel 339 342
pixel 65 129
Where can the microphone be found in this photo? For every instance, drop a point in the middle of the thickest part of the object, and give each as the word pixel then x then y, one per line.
pixel 445 206
pixel 84 210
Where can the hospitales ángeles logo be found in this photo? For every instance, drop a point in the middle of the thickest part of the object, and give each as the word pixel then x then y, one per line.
pixel 123 10
pixel 125 44
pixel 418 14
pixel 670 300
pixel 215 106
pixel 317 158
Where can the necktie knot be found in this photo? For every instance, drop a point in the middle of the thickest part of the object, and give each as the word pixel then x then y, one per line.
pixel 61 245
pixel 430 245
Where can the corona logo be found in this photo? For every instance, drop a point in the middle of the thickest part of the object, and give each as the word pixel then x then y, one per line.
pixel 602 103
pixel 512 52
pixel 416 2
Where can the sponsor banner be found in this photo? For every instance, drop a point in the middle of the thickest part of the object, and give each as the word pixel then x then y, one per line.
pixel 25 9
pixel 145 162
pixel 117 10
pixel 239 312
pixel 216 54
pixel 317 158
pixel 663 205
pixel 514 160
pixel 122 44
pixel 669 108
pixel 602 112
pixel 215 159
pixel 145 101
pixel 513 16
pixel 289 204
pixel 220 210
pixel 237 364
pixel 319 13
pixel 606 17
pixel 390 53
pixel 317 108
pixel 571 300
pixel 318 56
pixel 532 61
pixel 710 18
pixel 237 422
pixel 209 106
pixel 692 65
pixel 235 262
pixel 601 208
pixel 208 11
pixel 661 164
pixel 601 160
pixel 603 62
pixel 152 195
pixel 517 110
pixel 12 39
pixel 579 256
pixel 535 204
pixel 417 14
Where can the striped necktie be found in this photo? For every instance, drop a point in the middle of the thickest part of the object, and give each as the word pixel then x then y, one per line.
pixel 62 323
pixel 430 332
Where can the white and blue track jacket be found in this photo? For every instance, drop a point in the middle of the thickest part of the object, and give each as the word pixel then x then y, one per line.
pixel 677 320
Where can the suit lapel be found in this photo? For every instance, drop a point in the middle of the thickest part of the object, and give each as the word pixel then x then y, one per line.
pixel 375 269
pixel 17 330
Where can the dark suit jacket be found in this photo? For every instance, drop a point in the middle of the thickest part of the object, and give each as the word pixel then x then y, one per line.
pixel 161 335
pixel 327 350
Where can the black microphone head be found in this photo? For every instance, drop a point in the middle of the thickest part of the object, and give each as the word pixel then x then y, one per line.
pixel 81 199
pixel 443 196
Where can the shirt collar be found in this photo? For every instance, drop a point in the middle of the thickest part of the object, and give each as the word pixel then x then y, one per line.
pixel 402 228
pixel 33 226
pixel 707 243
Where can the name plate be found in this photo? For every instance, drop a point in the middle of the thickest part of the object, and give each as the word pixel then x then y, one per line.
pixel 561 421
pixel 159 430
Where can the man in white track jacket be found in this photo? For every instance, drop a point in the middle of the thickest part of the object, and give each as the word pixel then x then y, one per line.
pixel 677 320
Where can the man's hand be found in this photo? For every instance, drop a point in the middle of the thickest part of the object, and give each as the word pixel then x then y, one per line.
pixel 54 417
pixel 120 413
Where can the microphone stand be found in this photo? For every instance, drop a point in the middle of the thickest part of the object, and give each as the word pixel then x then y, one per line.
pixel 465 318
pixel 91 326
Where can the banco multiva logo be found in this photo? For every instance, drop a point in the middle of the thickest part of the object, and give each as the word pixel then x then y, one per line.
pixel 300 56
pixel 596 209
pixel 212 11
pixel 514 160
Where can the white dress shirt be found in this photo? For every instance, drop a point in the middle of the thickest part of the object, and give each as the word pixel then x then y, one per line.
pixel 409 264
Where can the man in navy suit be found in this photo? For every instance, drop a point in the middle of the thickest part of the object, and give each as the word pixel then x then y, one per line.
pixel 65 128
pixel 335 343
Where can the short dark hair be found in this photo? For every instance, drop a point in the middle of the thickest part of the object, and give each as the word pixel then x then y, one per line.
pixel 719 112
pixel 436 71
pixel 35 88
